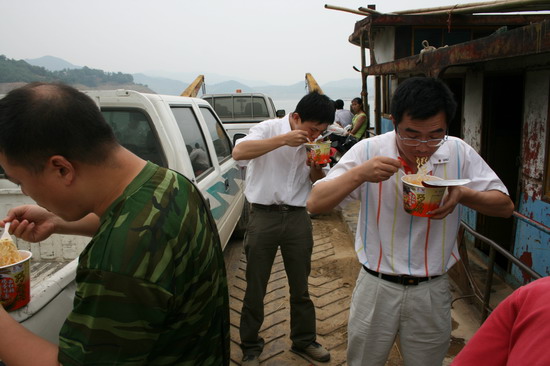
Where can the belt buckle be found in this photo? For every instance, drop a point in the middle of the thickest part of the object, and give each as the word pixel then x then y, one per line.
pixel 408 280
pixel 285 208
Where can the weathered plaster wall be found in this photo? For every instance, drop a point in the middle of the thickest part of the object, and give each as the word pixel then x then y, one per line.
pixel 471 129
pixel 532 245
pixel 534 132
pixel 473 95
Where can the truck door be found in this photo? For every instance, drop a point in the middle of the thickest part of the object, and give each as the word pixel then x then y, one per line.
pixel 233 185
pixel 214 169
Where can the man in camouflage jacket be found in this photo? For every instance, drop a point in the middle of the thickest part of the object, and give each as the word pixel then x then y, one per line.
pixel 151 284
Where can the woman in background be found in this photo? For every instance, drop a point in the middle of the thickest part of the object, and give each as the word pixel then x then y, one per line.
pixel 359 121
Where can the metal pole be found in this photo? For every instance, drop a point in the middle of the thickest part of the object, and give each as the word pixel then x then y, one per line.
pixel 488 285
pixel 364 90
pixel 378 105
pixel 502 251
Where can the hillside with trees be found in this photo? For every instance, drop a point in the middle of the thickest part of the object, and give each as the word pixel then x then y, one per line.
pixel 14 73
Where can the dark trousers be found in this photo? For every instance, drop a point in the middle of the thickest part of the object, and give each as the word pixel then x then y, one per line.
pixel 267 231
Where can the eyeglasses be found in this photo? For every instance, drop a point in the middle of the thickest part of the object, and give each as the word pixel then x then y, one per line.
pixel 416 142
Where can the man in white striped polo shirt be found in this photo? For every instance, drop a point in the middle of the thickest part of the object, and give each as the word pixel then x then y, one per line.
pixel 403 288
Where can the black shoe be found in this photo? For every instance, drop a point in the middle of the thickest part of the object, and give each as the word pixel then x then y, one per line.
pixel 314 351
pixel 250 360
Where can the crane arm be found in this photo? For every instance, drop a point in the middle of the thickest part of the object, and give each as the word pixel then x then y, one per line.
pixel 193 89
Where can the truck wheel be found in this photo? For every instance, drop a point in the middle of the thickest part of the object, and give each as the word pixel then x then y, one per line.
pixel 240 230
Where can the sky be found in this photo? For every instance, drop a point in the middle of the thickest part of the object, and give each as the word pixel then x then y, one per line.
pixel 275 42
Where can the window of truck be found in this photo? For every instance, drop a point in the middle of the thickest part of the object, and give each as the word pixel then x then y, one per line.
pixel 134 131
pixel 223 106
pixel 221 141
pixel 194 140
pixel 239 107
pixel 259 108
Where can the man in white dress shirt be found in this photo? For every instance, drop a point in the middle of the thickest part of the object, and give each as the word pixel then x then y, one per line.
pixel 278 181
pixel 402 290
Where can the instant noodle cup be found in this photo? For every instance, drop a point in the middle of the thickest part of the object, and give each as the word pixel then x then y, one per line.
pixel 318 152
pixel 417 199
pixel 15 283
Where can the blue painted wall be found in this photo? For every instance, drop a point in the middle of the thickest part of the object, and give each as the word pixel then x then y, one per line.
pixel 386 125
pixel 532 245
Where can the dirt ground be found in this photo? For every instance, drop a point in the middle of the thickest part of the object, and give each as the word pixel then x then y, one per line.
pixel 333 275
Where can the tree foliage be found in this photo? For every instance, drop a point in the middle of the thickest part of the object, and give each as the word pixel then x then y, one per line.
pixel 20 71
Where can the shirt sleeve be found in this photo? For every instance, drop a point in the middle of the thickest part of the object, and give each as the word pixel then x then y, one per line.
pixel 256 132
pixel 483 178
pixel 357 155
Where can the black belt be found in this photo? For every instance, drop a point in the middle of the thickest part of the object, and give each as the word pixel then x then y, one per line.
pixel 402 279
pixel 277 207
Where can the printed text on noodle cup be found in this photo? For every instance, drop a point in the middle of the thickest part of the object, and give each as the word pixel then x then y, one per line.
pixel 318 152
pixel 417 199
pixel 15 283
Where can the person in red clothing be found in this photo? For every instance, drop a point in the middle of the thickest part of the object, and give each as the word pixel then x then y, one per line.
pixel 516 332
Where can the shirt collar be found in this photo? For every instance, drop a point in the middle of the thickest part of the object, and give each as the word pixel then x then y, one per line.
pixel 441 155
pixel 286 123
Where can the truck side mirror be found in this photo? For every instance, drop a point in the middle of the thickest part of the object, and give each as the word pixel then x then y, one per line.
pixel 280 113
pixel 237 136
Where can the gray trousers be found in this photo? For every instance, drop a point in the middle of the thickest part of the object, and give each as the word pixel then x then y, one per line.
pixel 381 311
pixel 267 231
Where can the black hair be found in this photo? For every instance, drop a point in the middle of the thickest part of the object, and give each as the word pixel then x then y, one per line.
pixel 422 98
pixel 358 101
pixel 339 104
pixel 40 120
pixel 316 107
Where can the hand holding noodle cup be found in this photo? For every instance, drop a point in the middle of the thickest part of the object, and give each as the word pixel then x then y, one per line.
pixel 318 152
pixel 417 199
pixel 14 275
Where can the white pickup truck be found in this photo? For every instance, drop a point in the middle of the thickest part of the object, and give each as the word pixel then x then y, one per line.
pixel 180 133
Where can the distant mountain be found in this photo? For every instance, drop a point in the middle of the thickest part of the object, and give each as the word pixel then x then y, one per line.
pixel 173 83
pixel 14 73
pixel 209 77
pixel 230 86
pixel 161 85
pixel 52 63
pixel 346 89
